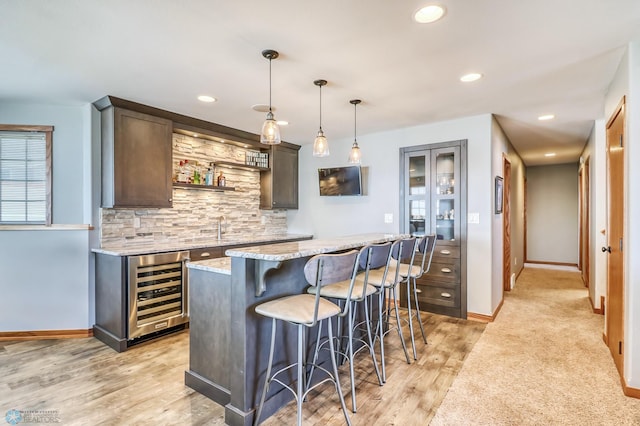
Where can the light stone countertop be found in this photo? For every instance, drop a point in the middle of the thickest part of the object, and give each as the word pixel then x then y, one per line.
pixel 150 248
pixel 221 265
pixel 292 250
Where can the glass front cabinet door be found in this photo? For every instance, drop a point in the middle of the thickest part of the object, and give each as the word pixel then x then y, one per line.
pixel 433 201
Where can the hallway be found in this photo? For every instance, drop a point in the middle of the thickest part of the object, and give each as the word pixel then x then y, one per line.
pixel 542 361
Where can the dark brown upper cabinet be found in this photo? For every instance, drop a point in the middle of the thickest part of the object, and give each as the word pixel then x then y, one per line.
pixel 279 186
pixel 136 159
pixel 137 156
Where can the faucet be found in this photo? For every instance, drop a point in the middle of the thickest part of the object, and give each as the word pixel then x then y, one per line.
pixel 221 219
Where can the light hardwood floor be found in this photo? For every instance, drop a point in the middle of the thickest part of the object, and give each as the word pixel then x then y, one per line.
pixel 87 383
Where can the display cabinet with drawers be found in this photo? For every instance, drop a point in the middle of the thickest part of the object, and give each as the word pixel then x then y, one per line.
pixel 433 197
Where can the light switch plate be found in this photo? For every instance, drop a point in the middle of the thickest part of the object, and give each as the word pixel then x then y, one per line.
pixel 388 218
pixel 474 218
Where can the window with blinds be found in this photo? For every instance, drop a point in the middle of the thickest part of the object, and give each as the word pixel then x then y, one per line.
pixel 25 175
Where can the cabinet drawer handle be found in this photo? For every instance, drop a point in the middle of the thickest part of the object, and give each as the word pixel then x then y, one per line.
pixel 446 270
pixel 446 295
pixel 418 291
pixel 205 254
pixel 445 252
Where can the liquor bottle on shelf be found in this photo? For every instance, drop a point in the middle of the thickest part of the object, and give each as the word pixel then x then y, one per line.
pixel 208 177
pixel 222 181
pixel 196 174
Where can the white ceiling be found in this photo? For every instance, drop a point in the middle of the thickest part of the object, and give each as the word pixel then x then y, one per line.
pixel 538 57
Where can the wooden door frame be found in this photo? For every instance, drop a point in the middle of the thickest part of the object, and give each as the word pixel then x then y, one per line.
pixel 619 111
pixel 506 223
pixel 584 219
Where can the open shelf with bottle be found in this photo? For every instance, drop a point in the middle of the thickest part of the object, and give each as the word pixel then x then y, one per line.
pixel 206 187
pixel 231 164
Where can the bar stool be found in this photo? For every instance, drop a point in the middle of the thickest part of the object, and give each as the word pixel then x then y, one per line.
pixel 386 279
pixel 306 310
pixel 354 295
pixel 410 274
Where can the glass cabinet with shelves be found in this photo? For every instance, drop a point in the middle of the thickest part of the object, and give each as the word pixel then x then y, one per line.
pixel 433 201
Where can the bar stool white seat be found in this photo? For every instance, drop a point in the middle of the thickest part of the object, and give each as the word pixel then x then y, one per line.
pixel 305 311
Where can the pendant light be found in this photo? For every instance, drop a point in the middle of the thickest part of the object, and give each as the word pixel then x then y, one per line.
pixel 320 145
pixel 270 134
pixel 354 155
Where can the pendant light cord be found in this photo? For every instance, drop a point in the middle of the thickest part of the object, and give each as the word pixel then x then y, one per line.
pixel 320 86
pixel 270 85
pixel 355 119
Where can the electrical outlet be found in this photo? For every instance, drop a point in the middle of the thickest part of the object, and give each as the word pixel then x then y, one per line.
pixel 388 218
pixel 136 222
pixel 473 218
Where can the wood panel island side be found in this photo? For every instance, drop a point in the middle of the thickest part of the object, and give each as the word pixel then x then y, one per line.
pixel 229 342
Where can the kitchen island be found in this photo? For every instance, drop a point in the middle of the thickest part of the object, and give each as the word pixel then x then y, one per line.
pixel 228 341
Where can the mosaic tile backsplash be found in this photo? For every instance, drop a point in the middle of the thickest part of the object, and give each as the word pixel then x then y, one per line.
pixel 196 212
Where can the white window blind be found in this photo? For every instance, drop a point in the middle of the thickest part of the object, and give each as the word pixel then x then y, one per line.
pixel 23 177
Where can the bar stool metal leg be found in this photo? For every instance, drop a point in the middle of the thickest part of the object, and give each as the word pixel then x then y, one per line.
pixel 367 316
pixel 335 373
pixel 381 332
pixel 267 377
pixel 300 384
pixel 410 314
pixel 399 324
pixel 415 297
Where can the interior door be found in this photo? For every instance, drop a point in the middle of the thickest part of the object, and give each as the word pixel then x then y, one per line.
pixel 615 203
pixel 417 210
pixel 584 222
pixel 445 198
pixel 506 224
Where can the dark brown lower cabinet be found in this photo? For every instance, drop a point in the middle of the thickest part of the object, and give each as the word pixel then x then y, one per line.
pixel 439 289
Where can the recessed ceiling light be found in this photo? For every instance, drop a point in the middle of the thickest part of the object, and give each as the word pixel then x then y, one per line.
pixel 429 14
pixel 467 78
pixel 195 135
pixel 206 98
pixel 282 122
pixel 550 154
pixel 546 117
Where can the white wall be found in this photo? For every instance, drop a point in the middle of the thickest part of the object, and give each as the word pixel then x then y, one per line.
pixel 332 216
pixel 46 274
pixel 502 146
pixel 632 288
pixel 627 82
pixel 552 213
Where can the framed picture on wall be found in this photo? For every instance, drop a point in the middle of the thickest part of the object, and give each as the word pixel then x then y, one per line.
pixel 498 194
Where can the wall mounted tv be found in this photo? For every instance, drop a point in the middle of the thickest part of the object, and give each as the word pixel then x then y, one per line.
pixel 340 181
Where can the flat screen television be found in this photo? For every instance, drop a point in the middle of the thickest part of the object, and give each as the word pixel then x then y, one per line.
pixel 337 181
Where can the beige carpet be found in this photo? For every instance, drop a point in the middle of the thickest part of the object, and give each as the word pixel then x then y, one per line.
pixel 542 362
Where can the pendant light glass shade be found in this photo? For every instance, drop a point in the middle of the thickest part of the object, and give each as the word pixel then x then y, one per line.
pixel 355 154
pixel 320 144
pixel 270 134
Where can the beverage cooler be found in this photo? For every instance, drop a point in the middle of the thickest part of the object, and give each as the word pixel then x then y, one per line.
pixel 140 297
